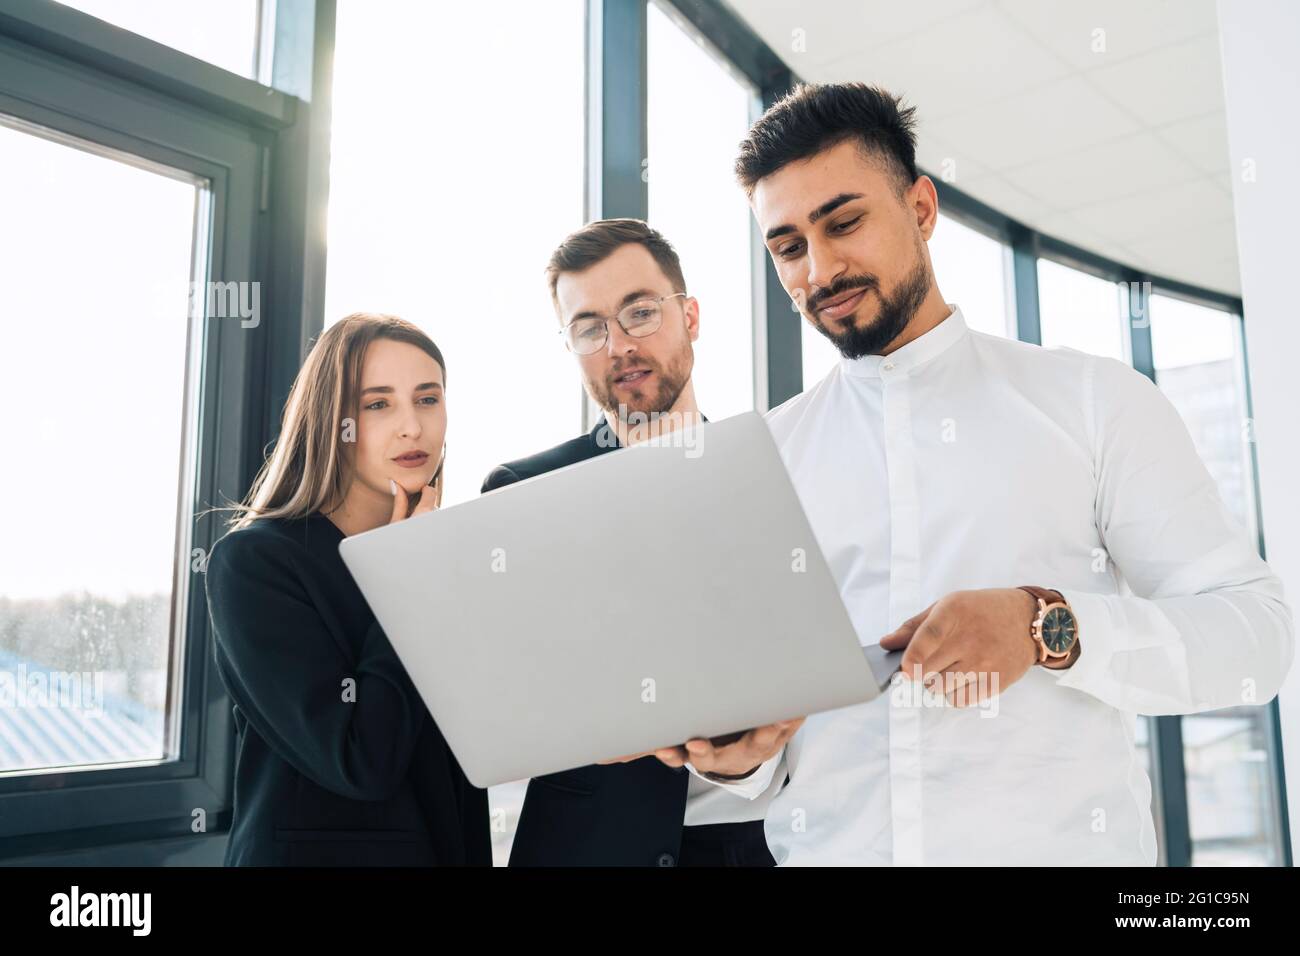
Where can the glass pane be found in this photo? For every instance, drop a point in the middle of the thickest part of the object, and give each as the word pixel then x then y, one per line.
pixel 1143 729
pixel 1231 794
pixel 453 177
pixel 971 271
pixel 698 113
pixel 1198 360
pixel 95 266
pixel 1142 741
pixel 221 32
pixel 1081 312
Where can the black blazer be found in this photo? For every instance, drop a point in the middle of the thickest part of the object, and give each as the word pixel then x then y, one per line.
pixel 627 814
pixel 338 761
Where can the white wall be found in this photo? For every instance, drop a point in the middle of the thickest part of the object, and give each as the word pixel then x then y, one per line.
pixel 1262 93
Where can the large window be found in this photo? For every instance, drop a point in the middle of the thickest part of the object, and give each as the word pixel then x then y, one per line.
pixel 225 33
pixel 1197 352
pixel 446 202
pixel 1232 794
pixel 96 259
pixel 134 337
pixel 1081 312
pixel 1232 799
pixel 971 271
pixel 698 110
pixel 447 197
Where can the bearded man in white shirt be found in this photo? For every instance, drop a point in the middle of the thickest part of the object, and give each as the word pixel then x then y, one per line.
pixel 1034 526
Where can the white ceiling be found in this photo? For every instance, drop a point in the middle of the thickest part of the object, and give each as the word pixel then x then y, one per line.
pixel 1122 151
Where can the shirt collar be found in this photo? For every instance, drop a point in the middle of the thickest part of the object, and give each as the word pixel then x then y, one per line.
pixel 921 349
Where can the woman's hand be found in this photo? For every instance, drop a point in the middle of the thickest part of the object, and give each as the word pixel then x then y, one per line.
pixel 427 499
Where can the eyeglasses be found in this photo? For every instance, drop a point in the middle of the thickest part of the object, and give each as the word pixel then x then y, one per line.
pixel 638 319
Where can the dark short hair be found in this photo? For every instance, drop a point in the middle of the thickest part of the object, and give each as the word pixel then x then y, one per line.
pixel 813 117
pixel 597 241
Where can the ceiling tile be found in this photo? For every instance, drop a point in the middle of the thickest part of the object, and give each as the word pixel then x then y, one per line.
pixel 954 65
pixel 1129 27
pixel 831 31
pixel 944 161
pixel 1112 170
pixel 1194 255
pixel 1063 226
pixel 1185 206
pixel 1169 84
pixel 1203 140
pixel 1052 119
pixel 1005 198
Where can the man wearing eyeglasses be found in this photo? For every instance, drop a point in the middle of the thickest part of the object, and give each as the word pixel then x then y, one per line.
pixel 624 313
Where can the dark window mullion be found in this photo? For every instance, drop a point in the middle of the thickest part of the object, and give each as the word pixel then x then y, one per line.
pixel 1024 272
pixel 1166 732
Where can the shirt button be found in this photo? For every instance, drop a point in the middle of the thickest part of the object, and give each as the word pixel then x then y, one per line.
pixel 666 859
pixel 888 366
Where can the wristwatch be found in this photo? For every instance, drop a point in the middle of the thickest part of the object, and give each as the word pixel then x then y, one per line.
pixel 1055 630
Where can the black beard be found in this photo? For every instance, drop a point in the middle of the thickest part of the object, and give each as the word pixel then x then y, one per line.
pixel 896 311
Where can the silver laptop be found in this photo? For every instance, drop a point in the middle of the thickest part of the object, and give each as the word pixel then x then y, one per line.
pixel 666 591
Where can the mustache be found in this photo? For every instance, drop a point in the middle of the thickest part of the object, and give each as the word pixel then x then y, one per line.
pixel 622 367
pixel 839 287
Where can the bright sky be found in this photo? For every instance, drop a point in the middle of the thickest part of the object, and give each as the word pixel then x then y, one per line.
pixel 1080 311
pixel 1186 334
pixel 94 264
pixel 696 203
pixel 447 195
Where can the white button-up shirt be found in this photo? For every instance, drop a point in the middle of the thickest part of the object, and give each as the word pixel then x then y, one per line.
pixel 964 460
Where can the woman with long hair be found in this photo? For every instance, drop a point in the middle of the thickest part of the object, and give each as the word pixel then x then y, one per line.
pixel 338 760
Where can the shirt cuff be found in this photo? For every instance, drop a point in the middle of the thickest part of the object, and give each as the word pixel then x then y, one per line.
pixel 753 786
pixel 1130 655
pixel 1090 671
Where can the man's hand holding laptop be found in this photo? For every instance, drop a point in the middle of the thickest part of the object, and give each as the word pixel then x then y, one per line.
pixel 729 758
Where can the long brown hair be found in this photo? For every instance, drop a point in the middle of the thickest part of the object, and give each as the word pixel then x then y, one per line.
pixel 313 464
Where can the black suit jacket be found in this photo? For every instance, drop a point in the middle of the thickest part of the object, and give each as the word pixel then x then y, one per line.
pixel 627 814
pixel 324 775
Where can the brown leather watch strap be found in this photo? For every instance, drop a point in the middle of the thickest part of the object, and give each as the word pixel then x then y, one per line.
pixel 1051 597
pixel 1047 594
pixel 1062 663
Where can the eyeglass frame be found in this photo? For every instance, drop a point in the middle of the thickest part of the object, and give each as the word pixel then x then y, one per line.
pixel 658 300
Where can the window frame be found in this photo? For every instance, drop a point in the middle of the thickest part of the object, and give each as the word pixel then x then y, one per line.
pixel 77 77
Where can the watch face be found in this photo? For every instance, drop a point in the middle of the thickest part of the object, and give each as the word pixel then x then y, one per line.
pixel 1058 630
